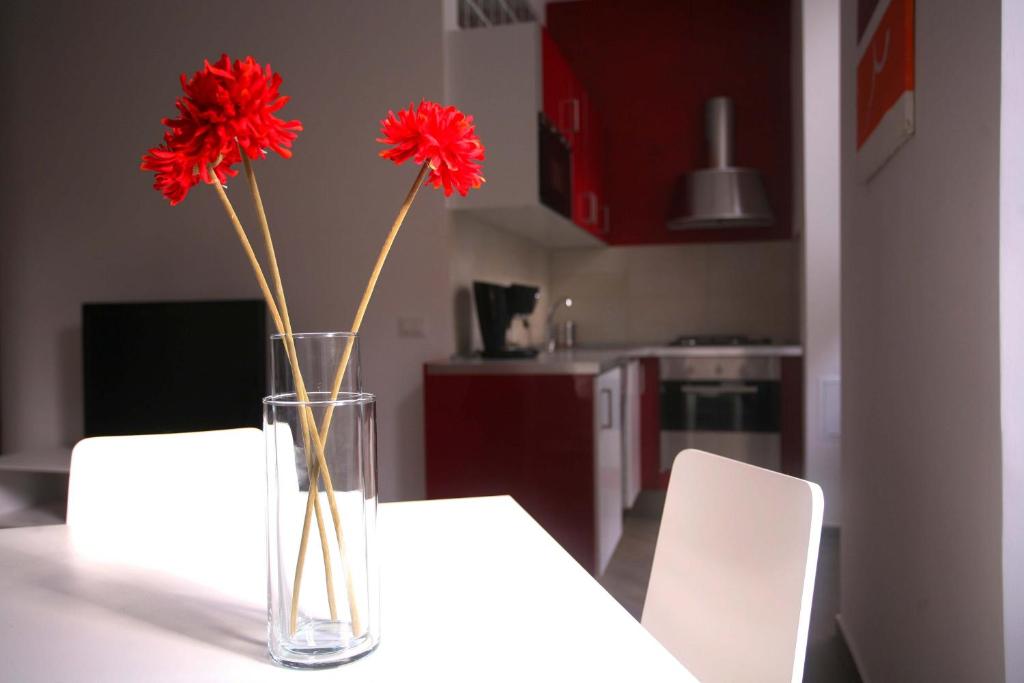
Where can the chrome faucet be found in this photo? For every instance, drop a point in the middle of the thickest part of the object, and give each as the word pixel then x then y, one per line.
pixel 552 342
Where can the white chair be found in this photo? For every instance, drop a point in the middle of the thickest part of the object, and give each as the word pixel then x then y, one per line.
pixel 733 576
pixel 166 498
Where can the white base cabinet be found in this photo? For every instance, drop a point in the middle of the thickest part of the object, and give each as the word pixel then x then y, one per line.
pixel 608 465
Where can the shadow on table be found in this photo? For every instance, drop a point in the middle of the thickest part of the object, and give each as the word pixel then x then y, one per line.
pixel 139 595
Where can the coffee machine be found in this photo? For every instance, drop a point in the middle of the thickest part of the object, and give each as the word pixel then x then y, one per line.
pixel 496 308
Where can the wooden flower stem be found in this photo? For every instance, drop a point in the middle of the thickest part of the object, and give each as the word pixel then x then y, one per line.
pixel 339 374
pixel 308 427
pixel 308 422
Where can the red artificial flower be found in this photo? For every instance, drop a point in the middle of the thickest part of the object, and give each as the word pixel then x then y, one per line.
pixel 444 137
pixel 225 106
pixel 178 172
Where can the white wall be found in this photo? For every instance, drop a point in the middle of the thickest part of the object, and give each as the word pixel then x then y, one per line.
pixel 652 294
pixel 819 200
pixel 490 254
pixel 1011 323
pixel 921 563
pixel 85 88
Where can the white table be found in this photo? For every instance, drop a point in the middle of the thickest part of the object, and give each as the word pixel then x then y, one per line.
pixel 473 590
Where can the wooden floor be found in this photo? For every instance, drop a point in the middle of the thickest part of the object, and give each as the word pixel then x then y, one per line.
pixel 828 660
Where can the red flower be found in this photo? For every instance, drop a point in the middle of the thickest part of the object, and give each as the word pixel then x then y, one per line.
pixel 177 172
pixel 225 106
pixel 444 137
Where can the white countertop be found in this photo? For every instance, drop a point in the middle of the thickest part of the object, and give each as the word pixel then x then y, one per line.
pixel 594 361
pixel 576 362
pixel 777 350
pixel 472 589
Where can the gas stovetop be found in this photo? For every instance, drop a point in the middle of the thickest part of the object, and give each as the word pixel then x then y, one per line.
pixel 719 340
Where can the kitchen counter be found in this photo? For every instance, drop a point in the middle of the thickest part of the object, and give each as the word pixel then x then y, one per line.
pixel 777 350
pixel 557 363
pixel 571 442
pixel 595 361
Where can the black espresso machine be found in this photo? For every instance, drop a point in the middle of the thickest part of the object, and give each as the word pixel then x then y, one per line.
pixel 496 307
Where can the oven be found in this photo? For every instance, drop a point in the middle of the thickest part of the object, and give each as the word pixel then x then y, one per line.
pixel 727 405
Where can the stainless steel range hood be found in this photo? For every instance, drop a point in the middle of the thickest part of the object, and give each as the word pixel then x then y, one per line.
pixel 721 196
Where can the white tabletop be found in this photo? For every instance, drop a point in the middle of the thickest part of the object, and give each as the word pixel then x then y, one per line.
pixel 473 590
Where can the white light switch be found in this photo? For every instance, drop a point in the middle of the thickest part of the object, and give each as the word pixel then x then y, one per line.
pixel 411 327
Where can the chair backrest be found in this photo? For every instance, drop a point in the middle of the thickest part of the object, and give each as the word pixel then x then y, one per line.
pixel 733 576
pixel 164 494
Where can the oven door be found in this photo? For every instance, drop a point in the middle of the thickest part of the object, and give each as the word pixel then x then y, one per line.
pixel 735 418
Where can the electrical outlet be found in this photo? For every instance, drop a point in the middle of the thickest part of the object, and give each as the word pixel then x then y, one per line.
pixel 412 327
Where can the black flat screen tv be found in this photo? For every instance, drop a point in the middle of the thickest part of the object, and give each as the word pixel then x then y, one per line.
pixel 158 368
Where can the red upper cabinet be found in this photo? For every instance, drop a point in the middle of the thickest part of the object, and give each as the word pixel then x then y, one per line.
pixel 572 110
pixel 592 212
pixel 559 87
pixel 649 67
pixel 622 88
pixel 529 108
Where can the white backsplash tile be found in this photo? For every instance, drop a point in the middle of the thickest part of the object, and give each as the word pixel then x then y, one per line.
pixel 632 295
pixel 651 294
pixel 490 254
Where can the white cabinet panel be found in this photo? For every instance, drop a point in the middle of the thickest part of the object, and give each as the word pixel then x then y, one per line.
pixel 608 465
pixel 495 74
pixel 631 433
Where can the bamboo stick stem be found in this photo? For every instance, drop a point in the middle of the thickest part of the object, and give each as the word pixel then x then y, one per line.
pixel 278 324
pixel 308 425
pixel 339 374
pixel 357 322
pixel 247 247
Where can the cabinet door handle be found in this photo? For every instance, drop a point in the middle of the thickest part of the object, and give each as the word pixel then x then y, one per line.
pixel 590 202
pixel 573 108
pixel 720 390
pixel 606 412
pixel 606 224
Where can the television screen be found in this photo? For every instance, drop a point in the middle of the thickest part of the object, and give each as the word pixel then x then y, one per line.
pixel 152 368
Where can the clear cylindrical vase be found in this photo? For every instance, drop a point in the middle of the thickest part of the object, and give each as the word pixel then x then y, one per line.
pixel 320 355
pixel 323 592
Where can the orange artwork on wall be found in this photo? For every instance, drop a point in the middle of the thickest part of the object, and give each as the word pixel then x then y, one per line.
pixel 885 83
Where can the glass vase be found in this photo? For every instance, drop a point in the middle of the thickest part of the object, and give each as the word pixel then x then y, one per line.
pixel 319 355
pixel 323 579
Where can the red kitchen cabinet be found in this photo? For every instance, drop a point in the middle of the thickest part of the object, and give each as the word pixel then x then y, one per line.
pixel 524 100
pixel 651 475
pixel 791 425
pixel 528 436
pixel 650 66
pixel 560 89
pixel 528 105
pixel 573 111
pixel 592 211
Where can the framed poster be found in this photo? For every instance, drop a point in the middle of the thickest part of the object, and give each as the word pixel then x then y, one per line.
pixel 885 81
